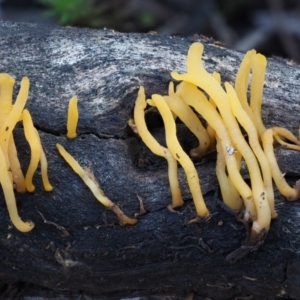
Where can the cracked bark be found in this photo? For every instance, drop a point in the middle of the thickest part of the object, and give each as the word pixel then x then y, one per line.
pixel 162 255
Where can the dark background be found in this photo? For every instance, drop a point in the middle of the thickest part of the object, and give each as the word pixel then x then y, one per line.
pixel 272 27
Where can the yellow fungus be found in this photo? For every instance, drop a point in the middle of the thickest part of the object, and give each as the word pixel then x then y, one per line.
pixel 280 132
pixel 44 166
pixel 224 112
pixel 10 198
pixel 94 187
pixel 15 167
pixel 241 83
pixel 188 117
pixel 199 76
pixel 156 148
pixel 247 124
pixel 259 63
pixel 180 155
pixel 265 207
pixel 72 118
pixel 195 98
pixel 8 126
pixel 10 167
pixel 291 194
pixel 230 195
pixel 35 148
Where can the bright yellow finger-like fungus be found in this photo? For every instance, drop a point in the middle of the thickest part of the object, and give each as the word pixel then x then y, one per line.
pixel 9 163
pixel 72 118
pixel 248 125
pixel 11 172
pixel 264 200
pixel 35 148
pixel 10 198
pixel 230 194
pixel 44 166
pixel 195 98
pixel 180 155
pixel 280 132
pixel 259 63
pixel 155 147
pixel 241 83
pixel 224 112
pixel 199 76
pixel 94 187
pixel 188 117
pixel 10 120
pixel 291 194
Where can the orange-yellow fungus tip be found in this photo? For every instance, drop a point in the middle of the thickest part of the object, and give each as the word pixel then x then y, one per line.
pixel 94 186
pixel 72 118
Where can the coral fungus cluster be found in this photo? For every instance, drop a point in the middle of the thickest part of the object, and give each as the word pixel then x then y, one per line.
pixel 11 173
pixel 226 111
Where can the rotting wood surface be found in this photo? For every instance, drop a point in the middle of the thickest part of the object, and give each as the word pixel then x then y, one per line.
pixel 161 255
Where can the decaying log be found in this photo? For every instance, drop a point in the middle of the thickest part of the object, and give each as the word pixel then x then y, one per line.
pixel 162 255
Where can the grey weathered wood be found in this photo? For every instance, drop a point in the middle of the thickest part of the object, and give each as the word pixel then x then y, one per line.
pixel 162 255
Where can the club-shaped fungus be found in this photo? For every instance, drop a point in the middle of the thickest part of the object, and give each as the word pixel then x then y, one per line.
pixel 155 147
pixel 192 122
pixel 10 198
pixel 245 121
pixel 72 118
pixel 195 98
pixel 94 187
pixel 289 193
pixel 11 172
pixel 180 155
pixel 225 111
pixel 230 194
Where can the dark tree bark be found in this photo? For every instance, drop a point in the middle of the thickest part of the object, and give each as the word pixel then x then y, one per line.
pixel 162 255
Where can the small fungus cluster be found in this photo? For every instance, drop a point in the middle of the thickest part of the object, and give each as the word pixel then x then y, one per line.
pixel 11 174
pixel 86 175
pixel 226 110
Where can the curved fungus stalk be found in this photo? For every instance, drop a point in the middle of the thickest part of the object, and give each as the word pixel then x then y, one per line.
pixel 72 118
pixel 210 131
pixel 180 155
pixel 188 117
pixel 10 120
pixel 280 132
pixel 9 164
pixel 242 80
pixel 289 193
pixel 10 198
pixel 35 149
pixel 94 187
pixel 266 206
pixel 44 166
pixel 195 98
pixel 141 128
pixel 230 195
pixel 15 167
pixel 259 64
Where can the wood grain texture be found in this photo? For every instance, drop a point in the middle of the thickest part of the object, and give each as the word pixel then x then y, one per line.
pixel 162 255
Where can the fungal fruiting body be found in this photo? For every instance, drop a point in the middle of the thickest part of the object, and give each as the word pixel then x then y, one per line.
pixel 155 147
pixel 226 111
pixel 94 187
pixel 37 154
pixel 11 172
pixel 72 118
pixel 180 155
